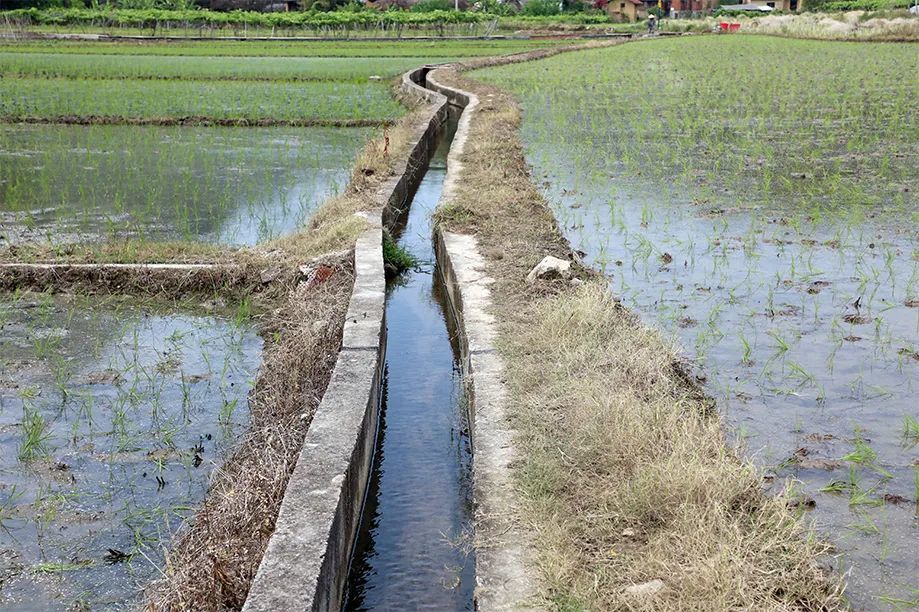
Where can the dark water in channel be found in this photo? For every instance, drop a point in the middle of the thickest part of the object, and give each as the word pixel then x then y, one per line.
pixel 414 546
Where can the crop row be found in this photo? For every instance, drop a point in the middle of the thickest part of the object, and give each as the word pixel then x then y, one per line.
pixel 314 101
pixel 331 48
pixel 149 18
pixel 73 65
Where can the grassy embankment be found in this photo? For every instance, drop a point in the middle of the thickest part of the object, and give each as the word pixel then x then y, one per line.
pixel 624 474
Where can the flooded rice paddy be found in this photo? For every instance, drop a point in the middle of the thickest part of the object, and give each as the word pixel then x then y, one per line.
pixel 766 220
pixel 235 186
pixel 113 415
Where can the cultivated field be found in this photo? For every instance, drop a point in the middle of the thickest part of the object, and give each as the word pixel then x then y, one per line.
pixel 112 179
pixel 756 198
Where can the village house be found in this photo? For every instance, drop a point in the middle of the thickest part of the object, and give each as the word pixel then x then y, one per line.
pixel 626 10
pixel 788 6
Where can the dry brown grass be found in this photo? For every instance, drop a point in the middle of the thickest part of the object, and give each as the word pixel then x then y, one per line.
pixel 624 473
pixel 336 225
pixel 894 26
pixel 628 480
pixel 213 562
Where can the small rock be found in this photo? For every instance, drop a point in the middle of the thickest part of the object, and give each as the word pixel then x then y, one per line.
pixel 375 77
pixel 319 326
pixel 550 267
pixel 629 533
pixel 805 501
pixel 270 274
pixel 576 282
pixel 646 589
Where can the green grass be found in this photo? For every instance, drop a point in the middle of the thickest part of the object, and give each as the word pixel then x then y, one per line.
pixel 296 103
pixel 396 257
pixel 87 65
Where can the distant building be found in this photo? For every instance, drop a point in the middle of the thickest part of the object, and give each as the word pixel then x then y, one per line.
pixel 626 10
pixel 690 8
pixel 765 6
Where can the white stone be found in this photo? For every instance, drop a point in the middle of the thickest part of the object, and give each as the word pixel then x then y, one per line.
pixel 550 267
pixel 645 589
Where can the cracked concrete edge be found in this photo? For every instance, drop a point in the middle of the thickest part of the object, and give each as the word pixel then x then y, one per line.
pixel 305 566
pixel 504 568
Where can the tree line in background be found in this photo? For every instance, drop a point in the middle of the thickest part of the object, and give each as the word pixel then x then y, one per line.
pixel 143 12
pixel 332 14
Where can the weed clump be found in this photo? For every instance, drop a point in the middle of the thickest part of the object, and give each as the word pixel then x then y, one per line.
pixel 396 259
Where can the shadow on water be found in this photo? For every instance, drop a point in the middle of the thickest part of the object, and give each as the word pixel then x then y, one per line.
pixel 414 545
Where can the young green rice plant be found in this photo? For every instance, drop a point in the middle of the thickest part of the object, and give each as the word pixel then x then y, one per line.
pixel 8 504
pixel 57 567
pixel 36 434
pixel 243 312
pixel 865 525
pixel 864 455
pixel 910 430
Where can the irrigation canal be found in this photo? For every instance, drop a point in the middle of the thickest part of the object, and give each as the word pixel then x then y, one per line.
pixel 413 548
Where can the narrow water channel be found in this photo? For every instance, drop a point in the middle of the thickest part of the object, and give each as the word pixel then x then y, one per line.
pixel 413 549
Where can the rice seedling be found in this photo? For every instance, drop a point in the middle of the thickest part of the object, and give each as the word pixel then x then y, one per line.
pixel 160 67
pixel 309 49
pixel 911 428
pixel 56 567
pixel 35 435
pixel 139 100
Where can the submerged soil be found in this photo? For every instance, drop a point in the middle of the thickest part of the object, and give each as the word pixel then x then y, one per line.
pixel 113 416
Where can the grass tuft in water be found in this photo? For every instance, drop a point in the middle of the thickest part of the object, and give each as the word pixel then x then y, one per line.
pixel 396 259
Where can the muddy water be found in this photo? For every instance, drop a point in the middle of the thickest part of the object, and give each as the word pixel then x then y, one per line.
pixel 806 331
pixel 112 419
pixel 236 186
pixel 414 547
